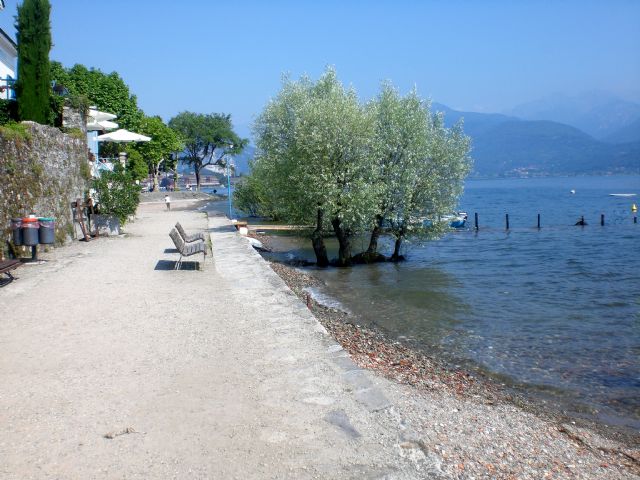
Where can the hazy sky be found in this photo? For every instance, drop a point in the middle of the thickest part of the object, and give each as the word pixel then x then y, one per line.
pixel 219 56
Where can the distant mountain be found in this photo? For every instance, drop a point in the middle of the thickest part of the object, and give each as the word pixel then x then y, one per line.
pixel 242 161
pixel 475 124
pixel 630 133
pixel 599 114
pixel 506 146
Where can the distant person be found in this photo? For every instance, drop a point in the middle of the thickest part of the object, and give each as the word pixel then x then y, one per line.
pixel 581 222
pixel 167 201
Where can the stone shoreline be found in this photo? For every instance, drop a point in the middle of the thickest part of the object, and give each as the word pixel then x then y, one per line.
pixel 564 449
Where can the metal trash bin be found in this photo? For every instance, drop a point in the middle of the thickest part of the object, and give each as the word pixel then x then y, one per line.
pixel 46 232
pixel 16 231
pixel 30 231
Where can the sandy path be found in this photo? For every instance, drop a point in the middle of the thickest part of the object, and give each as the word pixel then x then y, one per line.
pixel 221 373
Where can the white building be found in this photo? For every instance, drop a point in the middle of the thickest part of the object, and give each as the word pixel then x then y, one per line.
pixel 8 61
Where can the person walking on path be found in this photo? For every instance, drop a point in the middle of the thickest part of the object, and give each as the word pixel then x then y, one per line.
pixel 167 200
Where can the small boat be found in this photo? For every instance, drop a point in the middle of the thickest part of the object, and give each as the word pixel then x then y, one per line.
pixel 457 220
pixel 622 194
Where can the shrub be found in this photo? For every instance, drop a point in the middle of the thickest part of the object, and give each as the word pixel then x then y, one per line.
pixel 8 111
pixel 117 194
pixel 15 131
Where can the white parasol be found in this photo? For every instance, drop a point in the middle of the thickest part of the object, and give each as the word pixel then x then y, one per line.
pixel 122 136
pixel 101 125
pixel 98 116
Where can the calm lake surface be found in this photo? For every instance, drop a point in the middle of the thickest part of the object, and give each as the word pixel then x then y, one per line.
pixel 554 311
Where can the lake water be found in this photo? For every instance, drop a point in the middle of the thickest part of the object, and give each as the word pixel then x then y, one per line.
pixel 555 311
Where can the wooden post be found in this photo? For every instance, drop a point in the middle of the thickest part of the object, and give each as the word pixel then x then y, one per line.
pixel 506 217
pixel 635 219
pixel 476 220
pixel 538 221
pixel 308 301
pixel 602 219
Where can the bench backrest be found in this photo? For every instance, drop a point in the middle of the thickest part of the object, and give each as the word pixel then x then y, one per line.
pixel 177 240
pixel 181 230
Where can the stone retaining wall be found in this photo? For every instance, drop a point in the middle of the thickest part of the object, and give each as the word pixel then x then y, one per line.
pixel 42 171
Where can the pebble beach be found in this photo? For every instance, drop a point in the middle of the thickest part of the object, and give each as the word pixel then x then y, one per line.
pixel 477 427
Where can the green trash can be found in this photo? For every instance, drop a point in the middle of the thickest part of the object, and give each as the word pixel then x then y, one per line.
pixel 47 232
pixel 30 229
pixel 16 231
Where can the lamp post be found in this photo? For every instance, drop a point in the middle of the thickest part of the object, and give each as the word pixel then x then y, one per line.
pixel 229 183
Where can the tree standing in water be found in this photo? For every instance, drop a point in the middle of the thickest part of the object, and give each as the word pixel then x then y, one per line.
pixel 326 160
pixel 313 141
pixel 420 169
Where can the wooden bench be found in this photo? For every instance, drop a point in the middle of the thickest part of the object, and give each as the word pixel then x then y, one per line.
pixel 190 238
pixel 187 250
pixel 7 265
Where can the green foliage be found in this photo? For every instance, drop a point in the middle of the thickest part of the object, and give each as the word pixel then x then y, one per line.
pixel 78 102
pixel 323 158
pixel 136 164
pixel 33 88
pixel 159 151
pixel 56 104
pixel 117 194
pixel 249 197
pixel 107 92
pixel 313 143
pixel 207 138
pixel 420 165
pixel 85 171
pixel 164 140
pixel 75 133
pixel 14 130
pixel 8 111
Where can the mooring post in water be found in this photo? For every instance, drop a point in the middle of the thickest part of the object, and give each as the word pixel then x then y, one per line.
pixel 602 219
pixel 506 218
pixel 538 221
pixel 635 219
pixel 476 220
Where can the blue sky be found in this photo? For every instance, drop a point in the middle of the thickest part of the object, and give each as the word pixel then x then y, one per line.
pixel 218 56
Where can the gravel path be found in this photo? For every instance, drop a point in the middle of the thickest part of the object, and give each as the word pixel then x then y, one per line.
pixel 113 365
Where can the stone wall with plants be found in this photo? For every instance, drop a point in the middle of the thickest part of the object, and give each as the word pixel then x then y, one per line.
pixel 42 170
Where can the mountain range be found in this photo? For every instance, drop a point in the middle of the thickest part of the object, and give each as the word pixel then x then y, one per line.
pixel 509 145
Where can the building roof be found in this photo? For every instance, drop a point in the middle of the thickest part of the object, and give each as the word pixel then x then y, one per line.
pixel 8 38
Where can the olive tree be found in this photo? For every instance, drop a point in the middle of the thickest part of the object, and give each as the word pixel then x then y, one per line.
pixel 420 168
pixel 313 143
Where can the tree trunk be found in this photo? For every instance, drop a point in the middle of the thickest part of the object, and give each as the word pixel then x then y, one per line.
pixel 175 179
pixel 156 171
pixel 375 235
pixel 396 257
pixel 197 171
pixel 322 260
pixel 344 240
